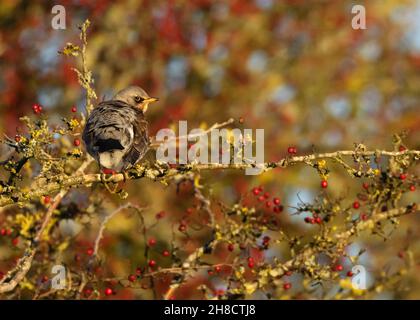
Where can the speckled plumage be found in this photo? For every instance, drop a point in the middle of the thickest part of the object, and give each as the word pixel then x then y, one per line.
pixel 116 132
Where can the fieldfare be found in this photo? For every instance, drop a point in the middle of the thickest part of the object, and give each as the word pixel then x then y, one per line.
pixel 116 134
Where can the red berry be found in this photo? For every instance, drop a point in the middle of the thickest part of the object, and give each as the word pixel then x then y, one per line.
pixel 403 176
pixel 3 232
pixel 152 263
pixel 189 211
pixel 76 142
pixel 256 191
pixel 132 278
pixel 324 184
pixel 89 251
pixel 292 150
pixel 210 272
pixel 47 199
pixel 160 215
pixel 108 291
pixel 363 216
pixel 36 108
pixel 182 227
pixel 261 198
pixel 87 292
pixel 77 257
pixel 412 187
pixel 241 120
pixel 266 195
pixel 338 267
pixel 287 286
pixel 166 253
pixel 8 232
pixel 365 185
pixel 15 241
pixel 276 201
pixel 217 268
pixel 308 219
pixel 138 271
pixel 349 274
pixel 288 273
pixel 402 148
pixel 356 205
pixel 251 264
pixel 318 220
pixel 73 109
pixel 231 247
pixel 268 204
pixel 108 171
pixel 44 279
pixel 17 138
pixel 152 242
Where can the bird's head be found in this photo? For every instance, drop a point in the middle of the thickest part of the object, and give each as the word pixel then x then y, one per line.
pixel 136 97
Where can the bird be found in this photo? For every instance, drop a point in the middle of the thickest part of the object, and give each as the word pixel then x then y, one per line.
pixel 116 133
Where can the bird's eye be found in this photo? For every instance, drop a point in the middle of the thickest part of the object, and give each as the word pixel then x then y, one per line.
pixel 138 99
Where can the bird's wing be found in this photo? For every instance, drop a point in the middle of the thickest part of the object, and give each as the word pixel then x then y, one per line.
pixel 140 143
pixel 109 127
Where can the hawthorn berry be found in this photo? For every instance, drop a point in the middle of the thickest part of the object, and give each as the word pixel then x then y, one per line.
pixel 73 109
pixel 15 241
pixel 44 279
pixel 292 150
pixel 365 185
pixel 108 291
pixel 47 199
pixel 87 292
pixel 318 220
pixel 151 242
pixel 231 247
pixel 288 273
pixel 363 216
pixel 256 191
pixel 308 219
pixel 349 274
pixel 218 268
pixel 403 176
pixel 268 204
pixel 261 198
pixel 182 227
pixel 160 215
pixel 89 251
pixel 251 262
pixel 166 253
pixel 287 286
pixel 402 148
pixel 132 278
pixel 276 201
pixel 138 271
pixel 3 232
pixel 356 205
pixel 266 195
pixel 152 263
pixel 37 109
pixel 412 187
pixel 338 267
pixel 241 120
pixel 18 138
pixel 324 184
pixel 76 142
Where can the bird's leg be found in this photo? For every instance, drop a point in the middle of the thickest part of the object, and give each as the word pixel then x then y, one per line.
pixel 106 177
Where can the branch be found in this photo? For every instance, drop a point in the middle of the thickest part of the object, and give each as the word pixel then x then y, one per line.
pixel 165 172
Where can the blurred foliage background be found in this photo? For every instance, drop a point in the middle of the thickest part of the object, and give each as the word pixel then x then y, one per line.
pixel 295 68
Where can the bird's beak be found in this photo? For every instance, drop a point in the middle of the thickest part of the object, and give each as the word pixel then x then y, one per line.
pixel 151 99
